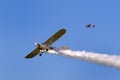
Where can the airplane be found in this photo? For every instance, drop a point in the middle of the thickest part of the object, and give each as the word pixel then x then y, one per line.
pixel 90 25
pixel 44 47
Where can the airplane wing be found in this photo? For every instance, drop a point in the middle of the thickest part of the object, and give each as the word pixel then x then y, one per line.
pixel 33 53
pixel 55 37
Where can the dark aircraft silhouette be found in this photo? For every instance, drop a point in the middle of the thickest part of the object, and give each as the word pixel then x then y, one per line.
pixel 90 25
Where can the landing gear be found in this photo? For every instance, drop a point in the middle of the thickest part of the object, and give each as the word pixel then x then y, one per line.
pixel 42 51
pixel 40 54
pixel 46 49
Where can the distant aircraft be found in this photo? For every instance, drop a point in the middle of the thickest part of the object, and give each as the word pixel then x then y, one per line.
pixel 90 26
pixel 44 47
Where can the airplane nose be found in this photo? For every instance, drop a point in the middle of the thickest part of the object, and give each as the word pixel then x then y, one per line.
pixel 36 44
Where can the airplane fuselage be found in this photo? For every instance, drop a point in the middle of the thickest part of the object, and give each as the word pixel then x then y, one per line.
pixel 42 46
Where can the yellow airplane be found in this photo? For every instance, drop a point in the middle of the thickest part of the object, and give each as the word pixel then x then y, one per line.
pixel 44 47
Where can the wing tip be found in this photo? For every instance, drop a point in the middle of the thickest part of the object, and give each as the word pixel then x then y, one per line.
pixel 63 29
pixel 26 57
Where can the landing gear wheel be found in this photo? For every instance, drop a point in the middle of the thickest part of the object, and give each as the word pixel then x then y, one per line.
pixel 46 49
pixel 40 54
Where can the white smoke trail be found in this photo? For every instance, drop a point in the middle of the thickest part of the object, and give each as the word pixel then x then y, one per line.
pixel 108 60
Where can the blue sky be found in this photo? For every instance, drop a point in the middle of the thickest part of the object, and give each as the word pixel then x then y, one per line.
pixel 24 22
